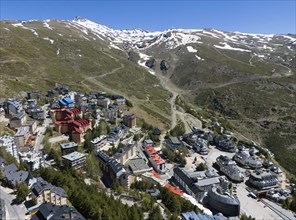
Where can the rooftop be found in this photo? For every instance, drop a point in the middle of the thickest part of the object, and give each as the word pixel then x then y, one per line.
pixel 174 140
pixel 174 189
pixel 138 165
pixel 42 185
pixel 74 156
pixel 22 131
pixel 68 145
pixel 53 212
pixel 19 116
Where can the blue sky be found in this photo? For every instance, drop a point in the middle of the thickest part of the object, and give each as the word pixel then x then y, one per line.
pixel 241 15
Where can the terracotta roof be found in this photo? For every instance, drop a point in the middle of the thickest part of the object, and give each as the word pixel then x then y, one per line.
pixel 151 150
pixel 75 110
pixel 174 189
pixel 157 159
pixel 81 122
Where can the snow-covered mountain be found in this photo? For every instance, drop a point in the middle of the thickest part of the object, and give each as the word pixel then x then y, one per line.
pixel 141 40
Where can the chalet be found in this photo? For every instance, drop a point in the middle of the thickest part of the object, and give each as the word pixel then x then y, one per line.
pixel 22 136
pixel 43 191
pixel 173 142
pixel 17 120
pixel 53 212
pixel 13 107
pixel 37 113
pixel 13 176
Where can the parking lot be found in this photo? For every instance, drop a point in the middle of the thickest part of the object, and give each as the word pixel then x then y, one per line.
pixel 249 205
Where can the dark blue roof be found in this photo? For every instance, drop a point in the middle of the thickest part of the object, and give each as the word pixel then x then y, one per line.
pixel 54 212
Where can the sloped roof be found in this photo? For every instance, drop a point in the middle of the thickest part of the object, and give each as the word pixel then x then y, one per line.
pixel 52 212
pixel 42 185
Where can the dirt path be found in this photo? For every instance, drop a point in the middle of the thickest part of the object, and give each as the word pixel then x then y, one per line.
pixel 114 70
pixel 188 120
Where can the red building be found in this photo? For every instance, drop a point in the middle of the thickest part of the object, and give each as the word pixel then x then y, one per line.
pixel 66 124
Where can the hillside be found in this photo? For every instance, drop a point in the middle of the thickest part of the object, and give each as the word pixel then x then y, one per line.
pixel 250 79
pixel 39 56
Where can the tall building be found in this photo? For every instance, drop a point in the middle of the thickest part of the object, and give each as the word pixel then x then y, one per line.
pixel 130 120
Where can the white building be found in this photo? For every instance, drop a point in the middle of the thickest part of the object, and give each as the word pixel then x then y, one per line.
pixel 9 144
pixel 33 160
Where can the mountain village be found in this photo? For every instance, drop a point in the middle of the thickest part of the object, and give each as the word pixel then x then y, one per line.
pixel 98 137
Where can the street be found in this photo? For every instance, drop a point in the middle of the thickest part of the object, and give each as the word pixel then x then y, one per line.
pixel 41 131
pixel 13 211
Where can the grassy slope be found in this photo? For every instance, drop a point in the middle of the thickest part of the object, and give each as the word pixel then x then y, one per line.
pixel 259 103
pixel 30 62
pixel 260 107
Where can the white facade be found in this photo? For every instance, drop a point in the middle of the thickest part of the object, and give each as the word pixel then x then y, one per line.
pixel 9 144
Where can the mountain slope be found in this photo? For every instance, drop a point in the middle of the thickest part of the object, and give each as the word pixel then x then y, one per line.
pixel 33 56
pixel 248 78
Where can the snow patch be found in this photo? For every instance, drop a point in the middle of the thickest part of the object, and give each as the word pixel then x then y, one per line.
pixel 289 47
pixel 199 58
pixel 22 26
pixel 6 29
pixel 228 47
pixel 289 37
pixel 142 61
pixel 191 49
pixel 18 25
pixel 58 51
pixel 50 40
pixel 259 55
pixel 114 46
pixel 60 34
pixel 84 37
pixel 47 26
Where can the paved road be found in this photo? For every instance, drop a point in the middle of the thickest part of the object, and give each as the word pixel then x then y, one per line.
pixel 58 139
pixel 253 207
pixel 13 211
pixel 41 131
